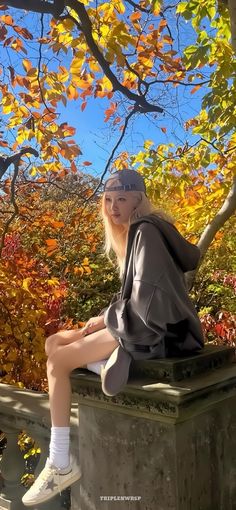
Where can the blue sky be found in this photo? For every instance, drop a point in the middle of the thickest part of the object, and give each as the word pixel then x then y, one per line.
pixel 96 138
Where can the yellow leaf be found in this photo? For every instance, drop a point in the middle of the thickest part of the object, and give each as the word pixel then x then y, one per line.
pixel 26 64
pixel 67 24
pixel 77 63
pixel 26 283
pixel 119 6
pixel 72 92
pixel 53 281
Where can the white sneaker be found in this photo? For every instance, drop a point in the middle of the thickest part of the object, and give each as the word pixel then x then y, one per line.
pixel 51 481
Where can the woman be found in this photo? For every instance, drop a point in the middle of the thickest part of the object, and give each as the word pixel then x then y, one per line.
pixel 151 317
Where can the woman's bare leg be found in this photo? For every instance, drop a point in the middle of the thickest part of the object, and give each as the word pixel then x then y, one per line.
pixel 63 337
pixel 65 358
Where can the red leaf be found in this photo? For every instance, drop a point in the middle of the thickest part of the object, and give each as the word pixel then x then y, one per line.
pixel 87 163
pixel 3 33
pixel 23 31
pixel 73 167
pixel 163 129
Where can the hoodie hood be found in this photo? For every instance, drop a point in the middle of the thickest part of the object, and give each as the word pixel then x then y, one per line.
pixel 185 254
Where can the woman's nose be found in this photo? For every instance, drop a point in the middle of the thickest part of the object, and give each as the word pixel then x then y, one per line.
pixel 114 206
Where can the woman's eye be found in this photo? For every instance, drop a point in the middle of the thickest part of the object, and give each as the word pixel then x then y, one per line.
pixel 107 199
pixel 121 199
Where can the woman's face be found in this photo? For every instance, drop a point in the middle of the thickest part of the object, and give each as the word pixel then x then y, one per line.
pixel 120 205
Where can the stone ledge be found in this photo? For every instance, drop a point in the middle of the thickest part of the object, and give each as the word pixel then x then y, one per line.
pixel 168 401
pixel 177 369
pixel 21 408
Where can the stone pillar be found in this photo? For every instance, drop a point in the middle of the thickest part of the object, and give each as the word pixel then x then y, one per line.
pixel 166 442
pixel 12 468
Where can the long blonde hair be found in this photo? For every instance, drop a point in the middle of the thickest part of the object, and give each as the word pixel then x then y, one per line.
pixel 116 235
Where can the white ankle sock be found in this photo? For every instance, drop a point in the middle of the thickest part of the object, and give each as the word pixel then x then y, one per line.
pixel 59 447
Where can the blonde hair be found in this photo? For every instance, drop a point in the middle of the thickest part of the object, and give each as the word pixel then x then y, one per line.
pixel 116 235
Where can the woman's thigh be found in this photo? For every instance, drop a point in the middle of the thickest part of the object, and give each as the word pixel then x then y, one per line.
pixel 94 347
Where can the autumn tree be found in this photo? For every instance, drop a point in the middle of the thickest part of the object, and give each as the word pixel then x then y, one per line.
pixel 127 54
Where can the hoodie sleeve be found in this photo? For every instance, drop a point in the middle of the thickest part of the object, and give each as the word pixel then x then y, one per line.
pixel 150 306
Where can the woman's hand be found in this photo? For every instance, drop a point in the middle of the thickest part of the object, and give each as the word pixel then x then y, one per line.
pixel 94 324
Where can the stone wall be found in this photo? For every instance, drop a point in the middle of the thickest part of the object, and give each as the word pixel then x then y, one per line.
pixel 161 445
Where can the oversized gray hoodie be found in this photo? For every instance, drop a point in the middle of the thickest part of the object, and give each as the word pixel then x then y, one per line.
pixel 152 316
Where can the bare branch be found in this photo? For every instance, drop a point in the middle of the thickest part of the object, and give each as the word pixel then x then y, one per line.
pixel 138 7
pixel 179 82
pixel 113 152
pixel 227 210
pixel 39 66
pixel 55 8
pixel 13 202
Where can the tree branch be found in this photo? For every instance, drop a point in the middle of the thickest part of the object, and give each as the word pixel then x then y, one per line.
pixel 55 8
pixel 13 202
pixel 6 162
pixel 113 152
pixel 86 28
pixel 226 211
pixel 138 7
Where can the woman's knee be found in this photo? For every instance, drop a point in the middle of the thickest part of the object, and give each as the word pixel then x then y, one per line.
pixel 50 344
pixel 56 362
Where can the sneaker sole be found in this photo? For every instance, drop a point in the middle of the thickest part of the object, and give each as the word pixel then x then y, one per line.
pixel 63 486
pixel 118 370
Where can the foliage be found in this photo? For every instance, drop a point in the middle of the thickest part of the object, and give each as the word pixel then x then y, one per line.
pixel 96 50
pixel 51 276
pixel 134 58
pixel 29 297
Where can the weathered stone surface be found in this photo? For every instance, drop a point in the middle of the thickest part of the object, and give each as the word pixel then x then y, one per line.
pixel 177 369
pixel 171 443
pixel 29 410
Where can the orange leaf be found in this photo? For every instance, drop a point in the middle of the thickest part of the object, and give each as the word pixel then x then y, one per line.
pixel 23 32
pixel 197 87
pixel 57 224
pixel 162 24
pixel 135 16
pixel 7 19
pixel 52 243
pixel 87 163
pixel 3 144
pixel 84 104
